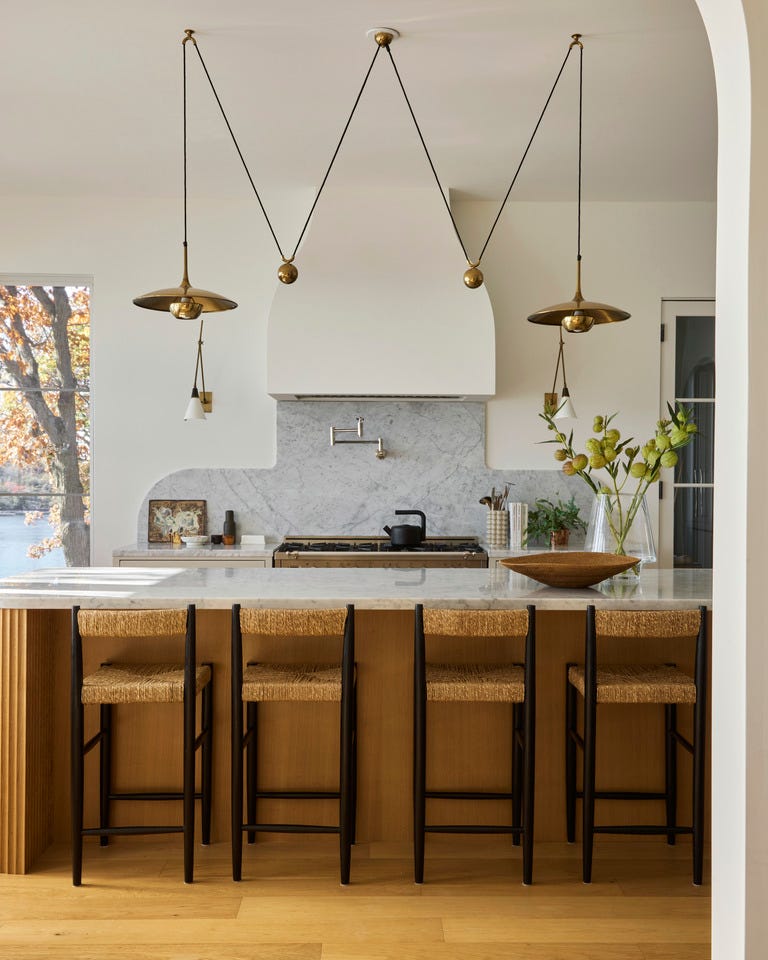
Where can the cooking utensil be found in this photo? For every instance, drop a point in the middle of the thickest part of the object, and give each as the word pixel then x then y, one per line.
pixel 407 534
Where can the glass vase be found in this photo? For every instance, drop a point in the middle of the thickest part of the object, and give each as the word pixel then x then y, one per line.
pixel 620 523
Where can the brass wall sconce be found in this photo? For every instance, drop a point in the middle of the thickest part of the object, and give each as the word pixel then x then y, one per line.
pixel 380 451
pixel 201 402
pixel 564 409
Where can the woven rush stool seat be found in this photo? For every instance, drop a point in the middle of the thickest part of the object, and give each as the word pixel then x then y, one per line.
pixel 504 683
pixel 265 682
pixel 123 683
pixel 299 682
pixel 654 683
pixel 141 683
pixel 475 682
pixel 633 683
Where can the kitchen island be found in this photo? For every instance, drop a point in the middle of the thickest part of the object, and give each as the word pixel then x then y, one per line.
pixel 470 745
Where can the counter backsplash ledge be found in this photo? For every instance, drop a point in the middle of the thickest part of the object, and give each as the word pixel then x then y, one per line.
pixel 435 462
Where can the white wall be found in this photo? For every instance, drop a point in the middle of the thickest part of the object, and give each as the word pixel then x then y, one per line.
pixel 143 361
pixel 634 254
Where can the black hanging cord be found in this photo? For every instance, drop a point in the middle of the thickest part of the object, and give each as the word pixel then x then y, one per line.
pixel 184 111
pixel 239 151
pixel 429 158
pixel 530 142
pixel 248 172
pixel 335 152
pixel 581 88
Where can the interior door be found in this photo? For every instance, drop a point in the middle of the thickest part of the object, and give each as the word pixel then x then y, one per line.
pixel 686 502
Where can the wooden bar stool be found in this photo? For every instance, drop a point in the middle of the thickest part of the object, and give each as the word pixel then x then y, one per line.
pixel 511 683
pixel 275 682
pixel 124 683
pixel 633 683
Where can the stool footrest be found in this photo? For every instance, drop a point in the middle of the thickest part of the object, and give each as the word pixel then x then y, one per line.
pixel 287 828
pixel 471 828
pixel 624 795
pixel 297 794
pixel 128 831
pixel 643 830
pixel 160 795
pixel 466 795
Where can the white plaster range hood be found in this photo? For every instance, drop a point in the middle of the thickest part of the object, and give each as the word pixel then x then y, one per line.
pixel 379 310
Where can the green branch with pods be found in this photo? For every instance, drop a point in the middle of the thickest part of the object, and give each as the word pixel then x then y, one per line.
pixel 621 461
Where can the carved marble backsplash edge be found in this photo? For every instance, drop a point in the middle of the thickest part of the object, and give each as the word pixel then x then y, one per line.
pixel 435 462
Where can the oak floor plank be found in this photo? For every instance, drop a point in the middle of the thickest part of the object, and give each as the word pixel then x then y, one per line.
pixel 612 930
pixel 498 908
pixel 482 951
pixel 195 932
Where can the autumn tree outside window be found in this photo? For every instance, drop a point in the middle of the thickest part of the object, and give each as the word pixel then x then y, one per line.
pixel 45 415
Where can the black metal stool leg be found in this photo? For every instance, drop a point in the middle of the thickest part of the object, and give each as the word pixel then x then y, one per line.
pixel 189 784
pixel 529 747
pixel 251 763
pixel 76 788
pixel 517 771
pixel 419 753
pixel 207 758
pixel 670 768
pixel 345 788
pixel 354 763
pixel 105 767
pixel 237 788
pixel 699 748
pixel 570 758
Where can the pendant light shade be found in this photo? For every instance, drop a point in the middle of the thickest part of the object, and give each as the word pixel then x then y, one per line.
pixel 195 407
pixel 578 315
pixel 565 409
pixel 185 302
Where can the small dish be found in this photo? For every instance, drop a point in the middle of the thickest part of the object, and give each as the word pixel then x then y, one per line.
pixel 196 541
pixel 570 569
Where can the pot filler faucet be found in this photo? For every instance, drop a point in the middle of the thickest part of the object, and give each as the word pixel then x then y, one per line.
pixel 380 451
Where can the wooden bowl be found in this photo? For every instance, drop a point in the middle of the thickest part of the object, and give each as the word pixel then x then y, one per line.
pixel 570 568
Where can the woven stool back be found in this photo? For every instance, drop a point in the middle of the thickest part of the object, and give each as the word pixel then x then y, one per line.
pixel 658 624
pixel 476 623
pixel 292 623
pixel 132 623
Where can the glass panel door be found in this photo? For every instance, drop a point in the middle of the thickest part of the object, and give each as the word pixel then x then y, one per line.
pixel 688 376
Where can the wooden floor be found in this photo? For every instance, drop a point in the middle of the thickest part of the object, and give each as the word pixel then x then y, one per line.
pixel 133 904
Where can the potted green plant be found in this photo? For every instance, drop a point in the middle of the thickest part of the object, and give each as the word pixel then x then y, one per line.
pixel 552 523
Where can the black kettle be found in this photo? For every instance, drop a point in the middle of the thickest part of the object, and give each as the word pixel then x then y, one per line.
pixel 407 534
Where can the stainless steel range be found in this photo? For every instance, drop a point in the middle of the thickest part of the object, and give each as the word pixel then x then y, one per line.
pixel 379 552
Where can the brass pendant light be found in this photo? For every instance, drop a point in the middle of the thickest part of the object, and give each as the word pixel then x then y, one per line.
pixel 185 302
pixel 578 315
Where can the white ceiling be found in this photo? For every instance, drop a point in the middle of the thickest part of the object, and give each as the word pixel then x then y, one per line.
pixel 92 97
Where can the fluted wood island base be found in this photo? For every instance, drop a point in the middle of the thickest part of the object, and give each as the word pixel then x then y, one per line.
pixel 469 744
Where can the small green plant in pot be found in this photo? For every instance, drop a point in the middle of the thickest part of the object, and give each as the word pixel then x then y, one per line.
pixel 552 523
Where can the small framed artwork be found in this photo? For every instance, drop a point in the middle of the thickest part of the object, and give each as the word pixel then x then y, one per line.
pixel 167 518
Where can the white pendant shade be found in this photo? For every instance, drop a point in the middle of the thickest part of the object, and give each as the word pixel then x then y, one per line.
pixel 194 407
pixel 566 409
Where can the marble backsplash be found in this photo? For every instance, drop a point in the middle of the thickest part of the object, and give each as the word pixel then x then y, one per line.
pixel 435 462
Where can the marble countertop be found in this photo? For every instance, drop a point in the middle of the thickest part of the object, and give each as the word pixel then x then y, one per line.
pixel 367 588
pixel 207 551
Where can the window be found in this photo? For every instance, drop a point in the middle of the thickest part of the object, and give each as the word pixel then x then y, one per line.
pixel 44 426
pixel 688 375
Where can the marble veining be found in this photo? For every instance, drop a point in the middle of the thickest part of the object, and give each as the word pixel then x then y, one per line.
pixel 435 462
pixel 368 589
